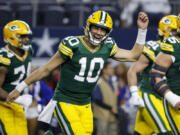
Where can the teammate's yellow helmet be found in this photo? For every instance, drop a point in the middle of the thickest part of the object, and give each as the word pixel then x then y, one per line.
pixel 13 30
pixel 167 24
pixel 178 21
pixel 101 19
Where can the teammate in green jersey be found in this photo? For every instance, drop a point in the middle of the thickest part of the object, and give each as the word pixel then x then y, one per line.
pixel 167 64
pixel 151 114
pixel 15 65
pixel 82 59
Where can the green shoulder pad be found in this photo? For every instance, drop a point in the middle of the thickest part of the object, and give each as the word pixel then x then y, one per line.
pixel 5 57
pixel 66 46
pixel 151 49
pixel 169 45
pixel 112 46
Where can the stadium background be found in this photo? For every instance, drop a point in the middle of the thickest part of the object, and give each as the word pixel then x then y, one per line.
pixel 52 20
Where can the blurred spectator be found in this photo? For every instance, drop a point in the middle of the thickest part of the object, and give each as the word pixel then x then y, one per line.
pixel 175 5
pixel 105 103
pixel 41 96
pixel 53 79
pixel 121 73
pixel 122 92
pixel 155 10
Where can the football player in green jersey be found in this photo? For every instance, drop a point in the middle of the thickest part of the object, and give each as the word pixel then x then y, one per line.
pixel 151 114
pixel 15 65
pixel 167 64
pixel 82 58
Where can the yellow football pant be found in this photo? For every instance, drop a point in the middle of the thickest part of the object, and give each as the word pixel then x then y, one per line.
pixel 12 119
pixel 173 117
pixel 74 119
pixel 151 118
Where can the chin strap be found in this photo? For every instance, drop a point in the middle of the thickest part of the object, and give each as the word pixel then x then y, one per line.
pixel 25 47
pixel 94 42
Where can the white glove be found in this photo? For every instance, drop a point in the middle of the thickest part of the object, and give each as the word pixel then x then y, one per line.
pixel 172 98
pixel 25 100
pixel 135 99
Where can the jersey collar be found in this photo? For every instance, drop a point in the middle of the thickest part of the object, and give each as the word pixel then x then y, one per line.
pixel 87 47
pixel 17 56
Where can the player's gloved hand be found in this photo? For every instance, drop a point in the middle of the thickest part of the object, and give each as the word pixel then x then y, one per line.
pixel 173 99
pixel 135 99
pixel 25 100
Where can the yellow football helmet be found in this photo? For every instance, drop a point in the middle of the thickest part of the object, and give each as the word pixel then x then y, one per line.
pixel 167 24
pixel 178 21
pixel 13 30
pixel 100 19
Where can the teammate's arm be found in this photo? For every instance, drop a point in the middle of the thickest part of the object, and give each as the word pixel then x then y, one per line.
pixel 3 93
pixel 37 75
pixel 162 63
pixel 136 68
pixel 135 52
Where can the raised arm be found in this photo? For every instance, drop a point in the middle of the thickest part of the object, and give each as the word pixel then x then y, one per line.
pixel 136 68
pixel 37 75
pixel 162 63
pixel 135 52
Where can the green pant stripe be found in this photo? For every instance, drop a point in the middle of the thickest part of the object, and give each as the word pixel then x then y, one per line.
pixel 64 120
pixel 58 118
pixel 170 119
pixel 154 114
pixel 2 129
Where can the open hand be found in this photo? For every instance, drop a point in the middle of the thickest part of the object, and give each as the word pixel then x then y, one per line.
pixel 12 96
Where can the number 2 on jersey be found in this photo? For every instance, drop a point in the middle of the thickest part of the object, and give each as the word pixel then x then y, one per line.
pixel 89 78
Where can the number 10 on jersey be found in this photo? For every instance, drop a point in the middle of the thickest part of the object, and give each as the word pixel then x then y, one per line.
pixel 83 62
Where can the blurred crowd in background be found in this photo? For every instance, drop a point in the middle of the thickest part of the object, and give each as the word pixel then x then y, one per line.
pixel 74 12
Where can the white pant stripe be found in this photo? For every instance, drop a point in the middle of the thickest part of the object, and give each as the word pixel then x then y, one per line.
pixel 155 116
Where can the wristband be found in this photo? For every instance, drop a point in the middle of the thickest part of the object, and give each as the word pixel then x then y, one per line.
pixel 133 89
pixel 172 98
pixel 20 87
pixel 141 36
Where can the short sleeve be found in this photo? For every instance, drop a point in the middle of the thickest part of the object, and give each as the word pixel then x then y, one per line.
pixel 65 49
pixel 170 45
pixel 148 50
pixel 112 46
pixel 114 50
pixel 4 60
pixel 167 48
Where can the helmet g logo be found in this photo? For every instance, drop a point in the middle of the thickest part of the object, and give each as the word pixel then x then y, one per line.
pixel 14 28
pixel 167 21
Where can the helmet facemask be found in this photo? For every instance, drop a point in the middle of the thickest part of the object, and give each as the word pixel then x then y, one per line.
pixel 93 35
pixel 25 44
pixel 99 19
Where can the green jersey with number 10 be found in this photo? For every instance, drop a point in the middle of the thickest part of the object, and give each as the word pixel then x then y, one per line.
pixel 18 67
pixel 80 72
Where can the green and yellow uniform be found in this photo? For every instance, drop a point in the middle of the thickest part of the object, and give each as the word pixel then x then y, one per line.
pixel 18 69
pixel 152 117
pixel 171 46
pixel 78 77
